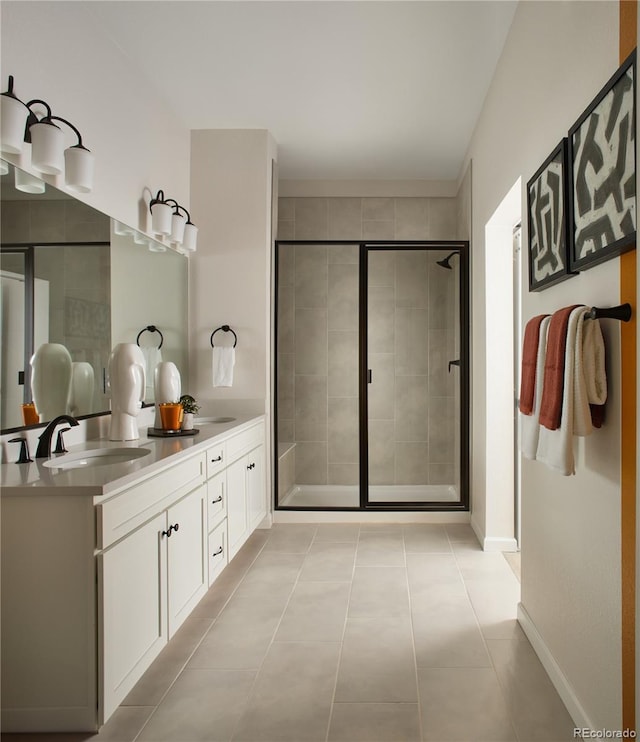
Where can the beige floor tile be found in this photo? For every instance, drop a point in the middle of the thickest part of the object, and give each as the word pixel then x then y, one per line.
pixel 426 538
pixel 273 567
pixel 338 532
pixel 202 706
pixel 379 591
pixel 292 696
pixel 316 612
pixel 495 605
pixel 332 561
pixel 376 549
pixel 463 704
pixel 266 607
pixel 238 644
pixel 434 579
pixel 460 532
pixel 124 725
pixel 484 566
pixel 448 635
pixel 377 663
pixel 375 722
pixel 294 540
pixel 514 561
pixel 536 708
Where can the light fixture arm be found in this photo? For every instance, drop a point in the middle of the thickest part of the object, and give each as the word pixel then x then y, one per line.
pixel 72 127
pixel 159 199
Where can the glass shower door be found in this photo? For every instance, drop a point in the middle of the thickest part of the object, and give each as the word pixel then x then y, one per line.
pixel 414 379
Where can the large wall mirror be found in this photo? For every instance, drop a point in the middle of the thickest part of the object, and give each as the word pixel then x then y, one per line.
pixel 74 277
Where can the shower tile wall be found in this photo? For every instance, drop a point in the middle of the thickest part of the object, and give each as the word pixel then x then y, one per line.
pixel 318 341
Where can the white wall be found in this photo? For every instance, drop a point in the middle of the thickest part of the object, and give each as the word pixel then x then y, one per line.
pixel 230 274
pixel 557 56
pixel 58 52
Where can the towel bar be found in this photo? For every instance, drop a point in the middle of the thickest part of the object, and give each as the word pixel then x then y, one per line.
pixel 150 328
pixel 621 312
pixel 224 328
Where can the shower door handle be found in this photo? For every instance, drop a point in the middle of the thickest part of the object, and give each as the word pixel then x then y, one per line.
pixel 454 363
pixel 369 376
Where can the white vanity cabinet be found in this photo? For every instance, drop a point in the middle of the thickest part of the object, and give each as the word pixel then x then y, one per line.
pixel 152 577
pixel 94 585
pixel 246 498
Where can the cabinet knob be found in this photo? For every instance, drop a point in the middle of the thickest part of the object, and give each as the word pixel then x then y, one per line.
pixel 218 552
pixel 169 531
pixel 218 499
pixel 217 458
pixel 251 466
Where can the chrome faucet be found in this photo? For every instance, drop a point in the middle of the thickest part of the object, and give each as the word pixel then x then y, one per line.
pixel 44 441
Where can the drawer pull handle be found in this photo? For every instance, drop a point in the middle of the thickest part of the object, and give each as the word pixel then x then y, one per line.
pixel 251 466
pixel 217 553
pixel 218 499
pixel 218 458
pixel 170 530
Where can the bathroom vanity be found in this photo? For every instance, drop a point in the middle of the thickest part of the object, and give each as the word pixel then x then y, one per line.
pixel 102 562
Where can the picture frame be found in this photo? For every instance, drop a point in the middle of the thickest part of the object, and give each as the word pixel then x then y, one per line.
pixel 602 164
pixel 547 196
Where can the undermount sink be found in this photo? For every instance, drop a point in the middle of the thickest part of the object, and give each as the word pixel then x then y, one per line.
pixel 203 420
pixel 96 457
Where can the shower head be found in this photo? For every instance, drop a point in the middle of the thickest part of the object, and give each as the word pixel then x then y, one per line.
pixel 445 261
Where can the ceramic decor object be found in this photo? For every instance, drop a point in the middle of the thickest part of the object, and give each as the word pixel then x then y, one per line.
pixel 127 380
pixel 51 368
pixel 82 385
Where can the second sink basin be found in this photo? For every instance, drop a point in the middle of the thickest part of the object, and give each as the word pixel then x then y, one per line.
pixel 203 420
pixel 96 457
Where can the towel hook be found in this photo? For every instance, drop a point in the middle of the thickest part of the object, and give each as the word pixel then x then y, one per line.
pixel 150 328
pixel 621 312
pixel 224 328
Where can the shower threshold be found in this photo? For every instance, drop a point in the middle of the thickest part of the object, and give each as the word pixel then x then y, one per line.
pixel 348 496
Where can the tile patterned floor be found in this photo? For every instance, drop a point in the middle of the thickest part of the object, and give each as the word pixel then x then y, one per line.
pixel 348 633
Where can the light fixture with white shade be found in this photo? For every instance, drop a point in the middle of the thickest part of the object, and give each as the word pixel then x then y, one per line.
pixel 167 220
pixel 48 154
pixel 28 183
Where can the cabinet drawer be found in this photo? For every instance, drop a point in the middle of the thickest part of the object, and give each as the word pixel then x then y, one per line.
pixel 133 507
pixel 217 499
pixel 216 459
pixel 217 551
pixel 242 443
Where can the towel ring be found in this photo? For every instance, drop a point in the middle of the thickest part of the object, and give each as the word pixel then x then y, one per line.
pixel 224 328
pixel 150 328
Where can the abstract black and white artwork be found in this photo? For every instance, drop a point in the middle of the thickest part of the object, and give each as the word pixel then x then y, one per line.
pixel 603 173
pixel 547 214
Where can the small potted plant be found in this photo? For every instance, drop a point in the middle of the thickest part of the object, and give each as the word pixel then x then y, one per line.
pixel 189 408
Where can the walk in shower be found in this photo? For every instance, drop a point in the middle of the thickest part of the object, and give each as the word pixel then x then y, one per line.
pixel 372 375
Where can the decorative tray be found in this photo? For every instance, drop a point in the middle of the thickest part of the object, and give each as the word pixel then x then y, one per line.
pixel 160 433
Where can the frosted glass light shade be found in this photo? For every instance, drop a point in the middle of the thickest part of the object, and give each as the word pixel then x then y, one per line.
pixel 78 169
pixel 4 167
pixel 13 120
pixel 161 218
pixel 178 222
pixel 28 183
pixel 190 237
pixel 155 246
pixel 47 150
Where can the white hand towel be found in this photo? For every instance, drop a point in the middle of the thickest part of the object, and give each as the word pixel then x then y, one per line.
pixel 152 357
pixel 555 447
pixel 581 413
pixel 594 369
pixel 529 424
pixel 224 358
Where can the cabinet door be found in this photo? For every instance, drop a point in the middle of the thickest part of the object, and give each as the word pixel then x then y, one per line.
pixel 237 521
pixel 256 490
pixel 187 576
pixel 132 576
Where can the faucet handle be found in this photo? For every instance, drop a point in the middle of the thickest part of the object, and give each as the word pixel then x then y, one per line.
pixel 60 442
pixel 24 450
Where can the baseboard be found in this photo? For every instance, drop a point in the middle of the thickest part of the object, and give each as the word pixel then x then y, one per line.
pixel 558 678
pixel 492 543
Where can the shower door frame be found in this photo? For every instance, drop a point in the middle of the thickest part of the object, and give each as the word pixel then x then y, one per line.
pixel 461 247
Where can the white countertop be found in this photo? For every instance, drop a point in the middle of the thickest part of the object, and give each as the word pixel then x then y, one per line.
pixel 109 479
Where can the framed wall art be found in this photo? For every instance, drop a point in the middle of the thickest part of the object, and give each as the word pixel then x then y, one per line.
pixel 547 196
pixel 602 162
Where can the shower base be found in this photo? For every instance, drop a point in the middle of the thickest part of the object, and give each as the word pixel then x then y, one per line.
pixel 348 496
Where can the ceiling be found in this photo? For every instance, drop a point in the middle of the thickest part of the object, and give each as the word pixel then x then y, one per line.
pixel 349 90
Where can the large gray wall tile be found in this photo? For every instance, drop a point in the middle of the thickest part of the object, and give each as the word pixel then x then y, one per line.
pixel 311 218
pixel 343 296
pixel 344 218
pixel 311 341
pixel 311 276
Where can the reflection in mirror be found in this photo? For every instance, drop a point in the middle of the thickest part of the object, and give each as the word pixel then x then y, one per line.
pixel 70 279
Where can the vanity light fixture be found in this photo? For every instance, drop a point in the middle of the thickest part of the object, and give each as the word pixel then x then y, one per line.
pixel 167 220
pixel 28 183
pixel 4 167
pixel 21 123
